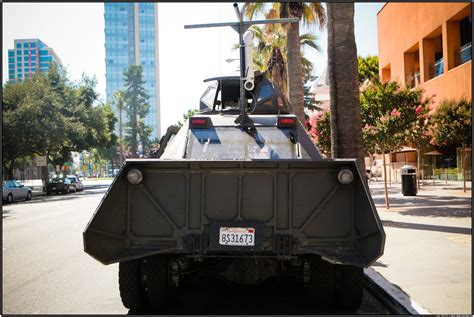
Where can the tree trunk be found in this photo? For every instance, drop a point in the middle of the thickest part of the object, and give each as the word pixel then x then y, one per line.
pixel 385 182
pixel 9 170
pixel 295 71
pixel 120 133
pixel 346 127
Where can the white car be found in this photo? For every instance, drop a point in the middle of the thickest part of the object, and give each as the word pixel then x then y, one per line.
pixel 14 190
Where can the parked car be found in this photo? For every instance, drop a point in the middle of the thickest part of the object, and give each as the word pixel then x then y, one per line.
pixel 14 190
pixel 76 182
pixel 59 185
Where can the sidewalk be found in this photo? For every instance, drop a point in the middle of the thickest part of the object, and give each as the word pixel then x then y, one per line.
pixel 428 244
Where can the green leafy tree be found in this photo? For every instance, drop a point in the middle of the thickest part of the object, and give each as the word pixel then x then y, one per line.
pixel 137 108
pixel 119 100
pixel 388 111
pixel 50 116
pixel 186 116
pixel 368 68
pixel 452 126
pixel 452 123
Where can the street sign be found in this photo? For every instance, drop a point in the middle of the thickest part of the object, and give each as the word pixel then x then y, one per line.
pixel 41 161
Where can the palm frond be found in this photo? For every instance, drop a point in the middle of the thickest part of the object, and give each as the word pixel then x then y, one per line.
pixel 310 40
pixel 251 9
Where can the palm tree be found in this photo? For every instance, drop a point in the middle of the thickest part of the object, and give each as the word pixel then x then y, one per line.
pixel 310 14
pixel 346 130
pixel 119 97
pixel 270 54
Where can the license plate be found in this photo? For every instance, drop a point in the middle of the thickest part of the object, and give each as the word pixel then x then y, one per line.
pixel 237 236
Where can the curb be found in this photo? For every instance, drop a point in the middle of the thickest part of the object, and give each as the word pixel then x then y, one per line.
pixel 391 295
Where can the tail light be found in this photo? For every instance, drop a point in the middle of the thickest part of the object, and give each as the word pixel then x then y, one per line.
pixel 286 122
pixel 200 122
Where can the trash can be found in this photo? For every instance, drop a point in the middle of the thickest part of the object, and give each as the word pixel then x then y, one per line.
pixel 408 173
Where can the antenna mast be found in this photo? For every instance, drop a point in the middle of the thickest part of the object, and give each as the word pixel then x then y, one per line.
pixel 240 27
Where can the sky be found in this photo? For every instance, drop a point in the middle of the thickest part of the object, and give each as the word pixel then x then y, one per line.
pixel 186 57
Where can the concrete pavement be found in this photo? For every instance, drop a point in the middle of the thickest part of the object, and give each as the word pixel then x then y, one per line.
pixel 428 244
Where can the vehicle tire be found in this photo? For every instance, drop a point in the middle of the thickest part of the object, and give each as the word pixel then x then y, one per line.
pixel 155 277
pixel 28 196
pixel 48 193
pixel 322 282
pixel 131 291
pixel 350 286
pixel 9 198
pixel 67 190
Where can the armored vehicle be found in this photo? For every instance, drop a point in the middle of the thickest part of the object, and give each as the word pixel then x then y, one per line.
pixel 240 191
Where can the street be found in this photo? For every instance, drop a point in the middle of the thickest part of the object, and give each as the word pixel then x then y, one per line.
pixel 45 270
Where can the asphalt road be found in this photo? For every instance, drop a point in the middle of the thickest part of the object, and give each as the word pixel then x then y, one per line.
pixel 45 270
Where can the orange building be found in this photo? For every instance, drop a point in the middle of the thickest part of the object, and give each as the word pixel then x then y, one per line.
pixel 427 45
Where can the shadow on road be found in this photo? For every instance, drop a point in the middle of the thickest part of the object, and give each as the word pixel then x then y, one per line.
pixel 95 190
pixel 427 205
pixel 419 226
pixel 6 213
pixel 213 296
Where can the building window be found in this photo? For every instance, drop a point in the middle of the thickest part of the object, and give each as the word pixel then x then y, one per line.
pixel 25 45
pixel 25 58
pixel 45 58
pixel 464 53
pixel 18 59
pixel 433 55
pixel 27 70
pixel 18 45
pixel 18 52
pixel 43 52
pixel 11 53
pixel 11 60
pixel 11 71
pixel 11 76
pixel 412 66
pixel 33 58
pixel 18 65
pixel 25 52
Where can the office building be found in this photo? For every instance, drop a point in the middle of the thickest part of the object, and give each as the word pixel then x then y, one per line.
pixel 131 38
pixel 28 57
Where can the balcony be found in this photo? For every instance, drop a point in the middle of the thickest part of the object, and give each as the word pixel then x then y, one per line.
pixel 463 54
pixel 414 79
pixel 437 68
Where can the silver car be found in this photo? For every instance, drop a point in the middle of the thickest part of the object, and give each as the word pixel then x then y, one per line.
pixel 76 182
pixel 14 190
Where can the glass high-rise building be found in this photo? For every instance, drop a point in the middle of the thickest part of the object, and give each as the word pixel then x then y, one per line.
pixel 28 57
pixel 131 38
